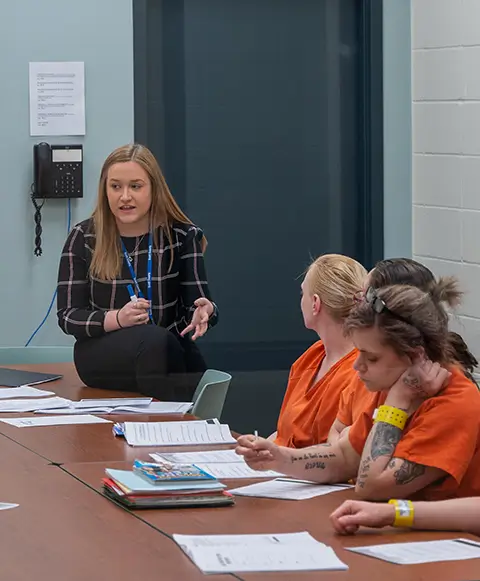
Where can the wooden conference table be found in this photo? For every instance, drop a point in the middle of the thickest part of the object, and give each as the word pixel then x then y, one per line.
pixel 64 528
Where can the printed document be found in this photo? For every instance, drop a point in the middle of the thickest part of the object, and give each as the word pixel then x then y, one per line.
pixel 177 433
pixel 423 552
pixel 208 456
pixel 288 489
pixel 23 391
pixel 54 421
pixel 30 405
pixel 259 553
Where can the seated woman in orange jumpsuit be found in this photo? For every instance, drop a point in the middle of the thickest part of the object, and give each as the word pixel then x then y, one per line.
pixel 388 272
pixel 318 376
pixel 405 444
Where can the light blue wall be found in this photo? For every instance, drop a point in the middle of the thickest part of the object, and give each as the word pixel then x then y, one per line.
pixel 100 33
pixel 397 128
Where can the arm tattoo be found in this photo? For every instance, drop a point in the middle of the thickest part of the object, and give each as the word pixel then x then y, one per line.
pixel 408 471
pixel 315 456
pixel 310 465
pixel 385 440
pixel 363 472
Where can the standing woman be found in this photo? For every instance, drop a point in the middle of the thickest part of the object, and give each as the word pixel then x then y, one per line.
pixel 132 286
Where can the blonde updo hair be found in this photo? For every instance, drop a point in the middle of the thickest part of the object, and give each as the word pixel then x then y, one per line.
pixel 336 279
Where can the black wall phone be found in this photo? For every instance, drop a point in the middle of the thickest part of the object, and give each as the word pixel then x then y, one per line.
pixel 58 171
pixel 57 174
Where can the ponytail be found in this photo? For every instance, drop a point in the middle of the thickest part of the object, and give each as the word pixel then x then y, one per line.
pixel 445 290
pixel 462 354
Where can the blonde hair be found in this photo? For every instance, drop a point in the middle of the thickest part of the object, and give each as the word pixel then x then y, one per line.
pixel 336 279
pixel 107 255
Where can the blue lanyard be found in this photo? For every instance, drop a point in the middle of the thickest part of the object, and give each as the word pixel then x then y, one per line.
pixel 128 260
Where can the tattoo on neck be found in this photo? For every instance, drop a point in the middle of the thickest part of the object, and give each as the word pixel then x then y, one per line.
pixel 411 381
pixel 385 440
pixel 408 471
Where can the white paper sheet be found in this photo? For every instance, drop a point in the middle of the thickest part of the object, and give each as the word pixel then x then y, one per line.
pixel 156 407
pixel 30 405
pixel 23 391
pixel 422 552
pixel 235 470
pixel 177 433
pixel 57 98
pixel 259 553
pixel 195 457
pixel 112 402
pixel 54 421
pixel 287 489
pixel 7 505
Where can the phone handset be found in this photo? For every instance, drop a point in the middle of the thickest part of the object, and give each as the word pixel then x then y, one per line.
pixel 42 169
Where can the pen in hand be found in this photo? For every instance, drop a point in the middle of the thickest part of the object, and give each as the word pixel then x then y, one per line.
pixel 134 299
pixel 131 294
pixel 255 433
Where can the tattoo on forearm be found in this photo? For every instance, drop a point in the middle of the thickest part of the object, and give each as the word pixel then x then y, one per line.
pixel 385 440
pixel 311 465
pixel 363 471
pixel 407 472
pixel 314 455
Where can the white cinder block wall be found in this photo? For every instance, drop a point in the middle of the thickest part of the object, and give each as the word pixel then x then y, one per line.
pixel 446 148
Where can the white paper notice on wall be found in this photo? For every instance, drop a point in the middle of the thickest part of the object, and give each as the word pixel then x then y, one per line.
pixel 57 98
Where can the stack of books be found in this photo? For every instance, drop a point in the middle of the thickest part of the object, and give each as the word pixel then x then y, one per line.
pixel 162 485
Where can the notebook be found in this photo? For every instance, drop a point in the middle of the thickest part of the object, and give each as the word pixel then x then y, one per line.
pixel 175 490
pixel 18 377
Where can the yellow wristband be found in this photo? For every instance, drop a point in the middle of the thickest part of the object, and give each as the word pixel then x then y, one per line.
pixel 403 512
pixel 391 415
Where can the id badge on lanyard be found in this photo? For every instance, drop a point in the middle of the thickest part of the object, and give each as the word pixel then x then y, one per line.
pixel 149 273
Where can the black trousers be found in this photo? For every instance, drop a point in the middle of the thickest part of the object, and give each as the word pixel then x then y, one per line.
pixel 145 358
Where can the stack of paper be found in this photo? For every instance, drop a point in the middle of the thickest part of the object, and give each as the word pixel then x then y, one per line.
pixel 31 405
pixel 259 553
pixel 288 489
pixel 177 433
pixel 106 407
pixel 218 463
pixel 422 552
pixel 23 391
pixel 112 402
pixel 151 485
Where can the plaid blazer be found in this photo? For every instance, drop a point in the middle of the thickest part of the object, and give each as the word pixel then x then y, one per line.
pixel 83 300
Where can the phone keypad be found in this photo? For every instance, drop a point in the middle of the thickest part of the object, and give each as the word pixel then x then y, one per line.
pixel 68 179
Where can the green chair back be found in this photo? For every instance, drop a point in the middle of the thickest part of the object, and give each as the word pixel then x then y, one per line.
pixel 210 395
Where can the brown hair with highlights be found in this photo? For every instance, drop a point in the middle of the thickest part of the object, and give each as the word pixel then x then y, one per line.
pixel 107 256
pixel 425 321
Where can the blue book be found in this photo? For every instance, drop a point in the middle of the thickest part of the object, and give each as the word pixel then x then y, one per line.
pixel 130 482
pixel 159 472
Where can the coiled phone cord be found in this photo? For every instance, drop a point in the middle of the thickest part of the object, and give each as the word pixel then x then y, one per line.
pixel 38 222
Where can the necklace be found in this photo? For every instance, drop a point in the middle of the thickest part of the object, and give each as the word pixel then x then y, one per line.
pixel 130 257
